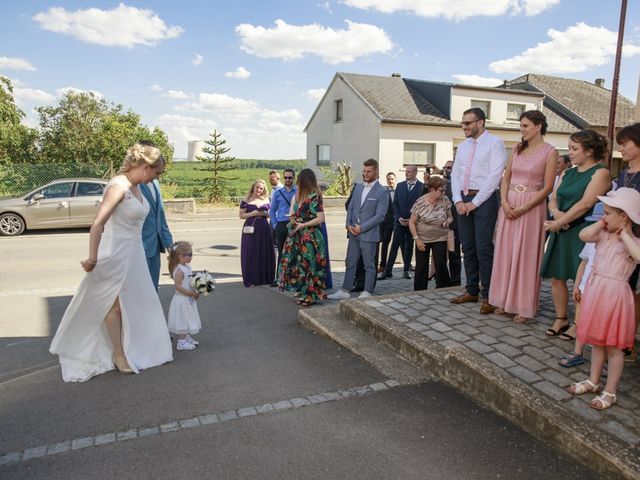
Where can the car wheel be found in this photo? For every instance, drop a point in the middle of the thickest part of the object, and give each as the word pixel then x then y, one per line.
pixel 11 224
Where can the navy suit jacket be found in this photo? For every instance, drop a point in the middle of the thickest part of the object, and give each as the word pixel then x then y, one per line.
pixel 404 199
pixel 156 236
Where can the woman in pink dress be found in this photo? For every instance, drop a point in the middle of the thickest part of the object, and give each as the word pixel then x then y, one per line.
pixel 519 244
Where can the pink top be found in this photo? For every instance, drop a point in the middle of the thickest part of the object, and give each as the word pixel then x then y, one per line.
pixel 528 167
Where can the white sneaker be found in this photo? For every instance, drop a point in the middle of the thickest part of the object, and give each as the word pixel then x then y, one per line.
pixel 339 295
pixel 184 345
pixel 192 340
pixel 364 294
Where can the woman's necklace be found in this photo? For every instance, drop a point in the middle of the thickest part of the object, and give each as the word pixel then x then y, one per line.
pixel 629 181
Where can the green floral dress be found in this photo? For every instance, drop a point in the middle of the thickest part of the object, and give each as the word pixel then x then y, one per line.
pixel 303 263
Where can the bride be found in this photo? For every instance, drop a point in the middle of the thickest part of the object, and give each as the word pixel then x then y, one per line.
pixel 115 319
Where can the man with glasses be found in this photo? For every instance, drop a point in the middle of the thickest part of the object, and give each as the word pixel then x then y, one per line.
pixel 156 236
pixel 281 201
pixel 475 177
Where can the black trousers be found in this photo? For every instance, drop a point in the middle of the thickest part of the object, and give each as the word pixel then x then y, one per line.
pixel 401 239
pixel 280 234
pixel 455 264
pixel 386 232
pixel 421 276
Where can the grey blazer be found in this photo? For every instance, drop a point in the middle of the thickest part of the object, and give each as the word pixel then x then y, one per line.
pixel 371 213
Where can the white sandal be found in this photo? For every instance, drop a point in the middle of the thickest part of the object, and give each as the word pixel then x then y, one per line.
pixel 585 386
pixel 600 402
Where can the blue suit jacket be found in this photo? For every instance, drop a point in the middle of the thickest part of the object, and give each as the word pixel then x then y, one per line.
pixel 156 236
pixel 371 213
pixel 404 199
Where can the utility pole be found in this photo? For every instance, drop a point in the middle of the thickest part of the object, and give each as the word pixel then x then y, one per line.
pixel 616 80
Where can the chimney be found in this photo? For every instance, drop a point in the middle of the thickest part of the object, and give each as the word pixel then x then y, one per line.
pixel 599 82
pixel 396 75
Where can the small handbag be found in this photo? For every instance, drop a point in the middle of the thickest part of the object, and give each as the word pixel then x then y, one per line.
pixel 249 229
pixel 451 241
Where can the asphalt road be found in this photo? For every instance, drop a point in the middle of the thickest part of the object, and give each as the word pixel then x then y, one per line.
pixel 253 352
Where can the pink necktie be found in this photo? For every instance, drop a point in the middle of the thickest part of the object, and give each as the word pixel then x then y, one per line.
pixel 467 173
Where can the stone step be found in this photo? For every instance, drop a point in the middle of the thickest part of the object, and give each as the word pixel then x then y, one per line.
pixel 473 375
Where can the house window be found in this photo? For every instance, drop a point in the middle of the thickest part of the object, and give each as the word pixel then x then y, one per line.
pixel 338 111
pixel 323 155
pixel 420 154
pixel 514 110
pixel 485 105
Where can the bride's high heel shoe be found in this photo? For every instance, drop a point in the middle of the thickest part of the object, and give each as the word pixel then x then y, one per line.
pixel 121 363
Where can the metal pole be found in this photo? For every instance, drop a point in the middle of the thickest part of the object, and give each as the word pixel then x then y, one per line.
pixel 616 80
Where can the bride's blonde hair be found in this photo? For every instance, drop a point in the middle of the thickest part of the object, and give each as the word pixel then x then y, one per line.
pixel 140 154
pixel 175 250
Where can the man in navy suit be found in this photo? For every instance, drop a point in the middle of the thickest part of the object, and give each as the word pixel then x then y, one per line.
pixel 407 193
pixel 366 212
pixel 156 236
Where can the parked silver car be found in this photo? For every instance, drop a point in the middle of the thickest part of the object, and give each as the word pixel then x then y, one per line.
pixel 64 203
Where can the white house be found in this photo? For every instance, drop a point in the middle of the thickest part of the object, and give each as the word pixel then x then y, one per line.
pixel 400 121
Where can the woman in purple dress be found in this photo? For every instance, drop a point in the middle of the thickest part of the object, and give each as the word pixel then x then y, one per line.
pixel 257 257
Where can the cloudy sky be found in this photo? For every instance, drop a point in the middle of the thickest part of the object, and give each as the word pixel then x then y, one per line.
pixel 255 70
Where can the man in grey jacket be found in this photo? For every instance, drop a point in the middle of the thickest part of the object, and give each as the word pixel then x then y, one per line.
pixel 366 212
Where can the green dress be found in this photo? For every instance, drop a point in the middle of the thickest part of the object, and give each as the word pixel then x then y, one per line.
pixel 303 263
pixel 562 255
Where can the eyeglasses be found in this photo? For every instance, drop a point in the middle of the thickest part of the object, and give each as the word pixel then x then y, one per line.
pixel 186 254
pixel 466 124
pixel 447 168
pixel 288 178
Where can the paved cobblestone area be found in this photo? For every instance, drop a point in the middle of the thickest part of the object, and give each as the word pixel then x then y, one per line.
pixel 522 351
pixel 199 421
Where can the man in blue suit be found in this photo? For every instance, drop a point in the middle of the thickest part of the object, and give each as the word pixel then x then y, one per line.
pixel 407 193
pixel 156 237
pixel 366 212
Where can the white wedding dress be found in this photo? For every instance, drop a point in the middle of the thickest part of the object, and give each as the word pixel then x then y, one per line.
pixel 82 342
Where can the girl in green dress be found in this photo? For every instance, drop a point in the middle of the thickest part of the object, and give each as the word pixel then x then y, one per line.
pixel 303 263
pixel 572 200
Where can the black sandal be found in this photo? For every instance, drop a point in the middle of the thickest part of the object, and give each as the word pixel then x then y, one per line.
pixel 566 336
pixel 552 333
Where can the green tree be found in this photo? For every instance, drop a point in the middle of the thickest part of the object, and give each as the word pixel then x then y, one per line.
pixel 217 185
pixel 84 128
pixel 17 141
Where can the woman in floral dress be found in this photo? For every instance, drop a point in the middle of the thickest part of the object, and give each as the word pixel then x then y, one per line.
pixel 304 261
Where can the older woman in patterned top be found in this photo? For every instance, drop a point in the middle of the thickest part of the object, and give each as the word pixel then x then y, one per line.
pixel 429 225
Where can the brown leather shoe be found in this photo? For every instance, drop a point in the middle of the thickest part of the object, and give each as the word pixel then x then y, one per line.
pixel 464 298
pixel 486 307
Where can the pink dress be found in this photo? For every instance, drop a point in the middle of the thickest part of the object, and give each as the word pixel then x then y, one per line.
pixel 607 313
pixel 519 243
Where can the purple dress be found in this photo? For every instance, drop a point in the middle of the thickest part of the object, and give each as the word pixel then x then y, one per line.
pixel 257 257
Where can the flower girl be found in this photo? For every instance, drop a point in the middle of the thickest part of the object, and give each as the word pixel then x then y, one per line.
pixel 607 316
pixel 183 320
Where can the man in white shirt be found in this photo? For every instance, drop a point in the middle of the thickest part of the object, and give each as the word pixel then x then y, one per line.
pixel 274 180
pixel 477 171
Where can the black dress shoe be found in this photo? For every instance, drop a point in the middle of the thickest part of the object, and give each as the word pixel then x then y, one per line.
pixel 384 276
pixel 357 288
pixel 406 275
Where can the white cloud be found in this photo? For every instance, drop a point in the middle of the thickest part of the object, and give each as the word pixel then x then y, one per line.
pixel 315 94
pixel 251 130
pixel 122 26
pixel 326 6
pixel 292 42
pixel 477 80
pixel 239 73
pixel 62 91
pixel 176 95
pixel 578 48
pixel 15 63
pixel 32 95
pixel 455 9
pixel 155 88
pixel 197 59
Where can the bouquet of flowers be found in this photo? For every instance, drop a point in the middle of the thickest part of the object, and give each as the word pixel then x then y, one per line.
pixel 203 282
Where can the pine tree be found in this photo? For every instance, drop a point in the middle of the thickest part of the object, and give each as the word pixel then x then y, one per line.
pixel 216 187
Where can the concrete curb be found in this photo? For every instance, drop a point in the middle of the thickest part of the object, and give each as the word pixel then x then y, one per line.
pixel 473 375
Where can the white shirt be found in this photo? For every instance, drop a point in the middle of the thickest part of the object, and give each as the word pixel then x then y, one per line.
pixel 152 189
pixel 489 160
pixel 392 192
pixel 588 253
pixel 365 191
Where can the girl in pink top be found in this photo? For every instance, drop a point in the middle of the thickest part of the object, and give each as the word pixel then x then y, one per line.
pixel 607 316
